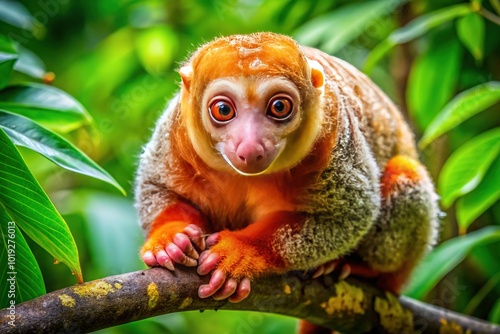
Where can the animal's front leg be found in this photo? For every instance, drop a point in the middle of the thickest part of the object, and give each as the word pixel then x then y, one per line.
pixel 234 258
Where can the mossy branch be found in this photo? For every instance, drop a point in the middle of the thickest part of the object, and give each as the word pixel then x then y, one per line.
pixel 349 306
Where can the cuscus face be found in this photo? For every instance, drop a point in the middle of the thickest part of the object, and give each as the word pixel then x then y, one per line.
pixel 252 106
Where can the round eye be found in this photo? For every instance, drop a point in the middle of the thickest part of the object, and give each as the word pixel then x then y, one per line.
pixel 280 108
pixel 221 110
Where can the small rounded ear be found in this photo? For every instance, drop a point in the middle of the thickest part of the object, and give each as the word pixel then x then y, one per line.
pixel 317 75
pixel 186 73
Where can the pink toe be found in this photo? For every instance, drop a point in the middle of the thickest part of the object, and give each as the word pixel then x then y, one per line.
pixel 212 239
pixel 149 259
pixel 208 264
pixel 242 291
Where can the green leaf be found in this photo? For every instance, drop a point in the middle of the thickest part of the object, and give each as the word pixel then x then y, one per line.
pixel 414 29
pixel 470 30
pixel 6 45
pixel 7 62
pixel 446 257
pixel 333 31
pixel 156 47
pixel 29 63
pixel 466 167
pixel 24 132
pixel 16 14
pixel 494 316
pixel 463 106
pixel 20 278
pixel 432 80
pixel 46 105
pixel 28 205
pixel 473 204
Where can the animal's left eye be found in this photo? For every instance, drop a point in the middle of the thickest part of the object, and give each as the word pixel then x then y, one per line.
pixel 279 108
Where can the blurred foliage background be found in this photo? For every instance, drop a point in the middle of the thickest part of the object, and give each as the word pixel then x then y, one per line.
pixel 438 60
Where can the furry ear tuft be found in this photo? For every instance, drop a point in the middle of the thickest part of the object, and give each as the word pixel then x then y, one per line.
pixel 186 75
pixel 317 74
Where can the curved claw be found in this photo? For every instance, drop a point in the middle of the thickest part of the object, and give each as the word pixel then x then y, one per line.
pixel 178 256
pixel 345 271
pixel 167 248
pixel 164 260
pixel 326 268
pixel 196 235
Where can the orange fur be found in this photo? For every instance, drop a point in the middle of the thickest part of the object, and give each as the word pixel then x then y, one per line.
pixel 396 169
pixel 347 132
pixel 172 220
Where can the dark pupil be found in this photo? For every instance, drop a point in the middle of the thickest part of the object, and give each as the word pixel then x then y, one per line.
pixel 224 109
pixel 279 106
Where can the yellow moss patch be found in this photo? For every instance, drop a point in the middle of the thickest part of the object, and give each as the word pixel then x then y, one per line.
pixel 348 298
pixel 94 290
pixel 67 301
pixel 153 295
pixel 393 317
pixel 287 289
pixel 118 286
pixel 451 328
pixel 186 302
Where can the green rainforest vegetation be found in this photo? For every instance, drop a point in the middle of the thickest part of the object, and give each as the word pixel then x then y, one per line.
pixel 82 83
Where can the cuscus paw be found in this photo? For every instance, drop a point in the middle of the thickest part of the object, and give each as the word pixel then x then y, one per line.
pixel 173 243
pixel 344 269
pixel 231 264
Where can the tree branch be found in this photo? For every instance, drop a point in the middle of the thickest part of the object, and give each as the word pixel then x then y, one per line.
pixel 349 306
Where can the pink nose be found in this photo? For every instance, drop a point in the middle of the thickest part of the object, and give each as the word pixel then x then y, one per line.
pixel 250 152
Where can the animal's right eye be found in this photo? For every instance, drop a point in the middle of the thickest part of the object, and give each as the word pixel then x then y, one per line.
pixel 221 110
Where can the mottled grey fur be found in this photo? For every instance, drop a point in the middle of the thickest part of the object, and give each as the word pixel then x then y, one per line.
pixel 151 188
pixel 347 203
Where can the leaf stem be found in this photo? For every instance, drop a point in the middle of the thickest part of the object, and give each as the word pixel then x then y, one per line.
pixel 489 16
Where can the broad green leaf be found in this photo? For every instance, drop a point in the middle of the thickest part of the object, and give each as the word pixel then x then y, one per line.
pixel 473 204
pixel 156 47
pixel 7 62
pixel 44 104
pixel 494 315
pixel 31 209
pixel 432 81
pixel 333 31
pixel 470 30
pixel 24 132
pixel 463 106
pixel 446 257
pixel 16 14
pixel 20 277
pixel 414 29
pixel 6 45
pixel 29 63
pixel 466 167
